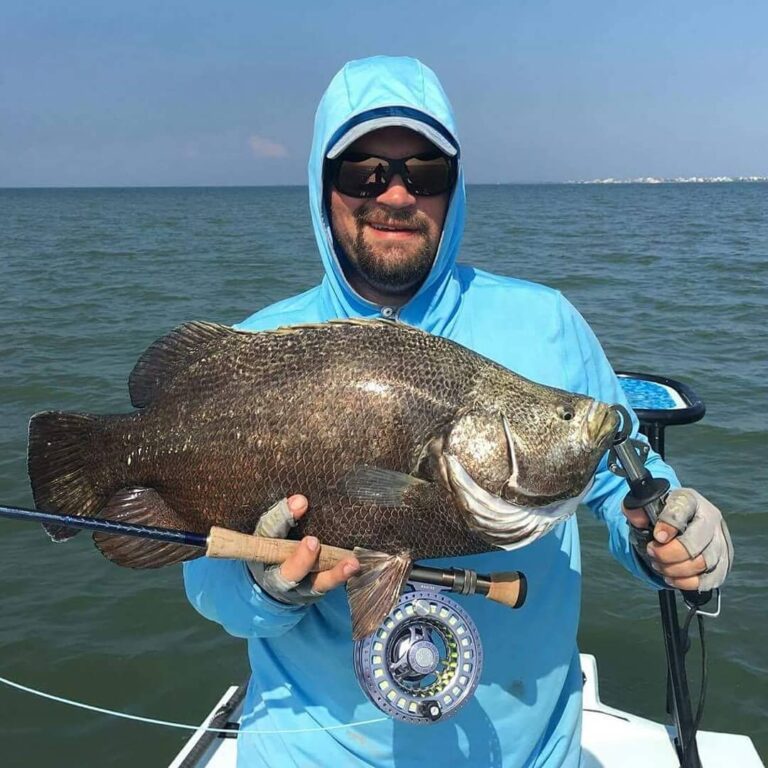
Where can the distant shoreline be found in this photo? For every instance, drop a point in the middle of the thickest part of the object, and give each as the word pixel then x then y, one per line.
pixel 678 180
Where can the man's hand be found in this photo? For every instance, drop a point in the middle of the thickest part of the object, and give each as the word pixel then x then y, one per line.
pixel 692 548
pixel 292 582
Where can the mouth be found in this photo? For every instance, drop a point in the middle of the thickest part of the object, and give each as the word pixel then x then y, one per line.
pixel 601 423
pixel 391 231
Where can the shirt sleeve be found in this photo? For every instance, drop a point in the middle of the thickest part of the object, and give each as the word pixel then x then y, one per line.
pixel 223 591
pixel 589 373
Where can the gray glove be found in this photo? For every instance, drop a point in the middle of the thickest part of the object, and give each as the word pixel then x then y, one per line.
pixel 276 523
pixel 702 532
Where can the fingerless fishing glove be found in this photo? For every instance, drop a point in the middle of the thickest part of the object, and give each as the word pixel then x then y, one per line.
pixel 276 523
pixel 702 532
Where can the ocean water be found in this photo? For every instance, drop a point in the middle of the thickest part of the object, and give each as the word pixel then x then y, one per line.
pixel 673 278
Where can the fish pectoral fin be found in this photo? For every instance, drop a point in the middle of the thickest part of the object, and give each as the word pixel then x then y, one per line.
pixel 383 487
pixel 373 591
pixel 142 506
pixel 171 354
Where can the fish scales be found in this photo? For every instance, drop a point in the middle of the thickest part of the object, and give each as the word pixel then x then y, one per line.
pixel 406 444
pixel 266 415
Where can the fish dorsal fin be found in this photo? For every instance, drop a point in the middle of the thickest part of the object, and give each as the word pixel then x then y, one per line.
pixel 171 354
pixel 335 324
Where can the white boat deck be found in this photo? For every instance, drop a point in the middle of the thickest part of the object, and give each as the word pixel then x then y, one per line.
pixel 610 739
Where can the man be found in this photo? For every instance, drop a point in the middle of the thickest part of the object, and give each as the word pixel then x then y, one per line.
pixel 387 200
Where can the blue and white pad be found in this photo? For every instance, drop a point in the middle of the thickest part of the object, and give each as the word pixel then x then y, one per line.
pixel 650 395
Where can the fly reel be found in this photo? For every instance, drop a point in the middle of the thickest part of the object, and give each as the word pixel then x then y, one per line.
pixel 424 662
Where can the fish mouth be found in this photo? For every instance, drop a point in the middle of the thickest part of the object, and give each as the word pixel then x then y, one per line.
pixel 500 522
pixel 600 425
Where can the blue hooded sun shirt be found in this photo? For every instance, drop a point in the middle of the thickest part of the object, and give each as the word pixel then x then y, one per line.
pixel 527 708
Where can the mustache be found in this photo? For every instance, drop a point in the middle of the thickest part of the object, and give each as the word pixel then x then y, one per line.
pixel 371 213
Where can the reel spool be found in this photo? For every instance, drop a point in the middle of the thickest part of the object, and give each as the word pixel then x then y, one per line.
pixel 424 661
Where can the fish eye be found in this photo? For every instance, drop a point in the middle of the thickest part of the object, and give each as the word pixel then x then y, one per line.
pixel 566 414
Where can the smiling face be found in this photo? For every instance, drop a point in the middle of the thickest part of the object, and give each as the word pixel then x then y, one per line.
pixel 389 241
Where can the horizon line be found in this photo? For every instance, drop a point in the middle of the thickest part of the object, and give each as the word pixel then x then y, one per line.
pixel 639 181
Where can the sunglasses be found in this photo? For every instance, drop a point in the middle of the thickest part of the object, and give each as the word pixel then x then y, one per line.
pixel 360 175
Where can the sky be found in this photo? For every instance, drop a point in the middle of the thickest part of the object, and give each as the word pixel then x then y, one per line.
pixel 152 93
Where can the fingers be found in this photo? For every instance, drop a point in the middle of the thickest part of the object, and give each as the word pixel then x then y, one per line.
pixel 668 554
pixel 637 518
pixel 679 510
pixel 664 532
pixel 715 577
pixel 681 570
pixel 673 563
pixel 298 505
pixel 691 584
pixel 278 520
pixel 294 577
pixel 692 548
pixel 294 582
pixel 300 563
pixel 699 535
pixel 325 581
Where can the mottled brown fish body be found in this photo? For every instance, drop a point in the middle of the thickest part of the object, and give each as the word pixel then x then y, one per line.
pixel 382 426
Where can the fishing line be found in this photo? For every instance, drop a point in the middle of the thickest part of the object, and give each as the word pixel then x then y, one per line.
pixel 171 724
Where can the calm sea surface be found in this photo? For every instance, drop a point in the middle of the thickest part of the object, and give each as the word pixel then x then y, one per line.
pixel 674 280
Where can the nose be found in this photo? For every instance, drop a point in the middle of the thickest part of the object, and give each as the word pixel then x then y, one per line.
pixel 396 195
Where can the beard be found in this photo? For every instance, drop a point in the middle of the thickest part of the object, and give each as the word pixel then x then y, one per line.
pixel 394 268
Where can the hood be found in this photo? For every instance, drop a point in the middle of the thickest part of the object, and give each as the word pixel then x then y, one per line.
pixel 371 89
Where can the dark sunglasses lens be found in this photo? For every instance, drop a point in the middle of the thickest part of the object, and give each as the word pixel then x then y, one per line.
pixel 361 178
pixel 425 175
pixel 429 177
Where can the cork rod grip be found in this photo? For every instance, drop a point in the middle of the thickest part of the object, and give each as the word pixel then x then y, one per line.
pixel 232 545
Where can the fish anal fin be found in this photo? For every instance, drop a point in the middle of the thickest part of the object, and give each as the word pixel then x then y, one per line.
pixel 169 355
pixel 373 591
pixel 142 506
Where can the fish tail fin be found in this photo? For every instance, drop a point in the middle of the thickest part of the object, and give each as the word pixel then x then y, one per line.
pixel 59 465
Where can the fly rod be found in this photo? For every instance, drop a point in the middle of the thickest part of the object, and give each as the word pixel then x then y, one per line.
pixel 507 588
